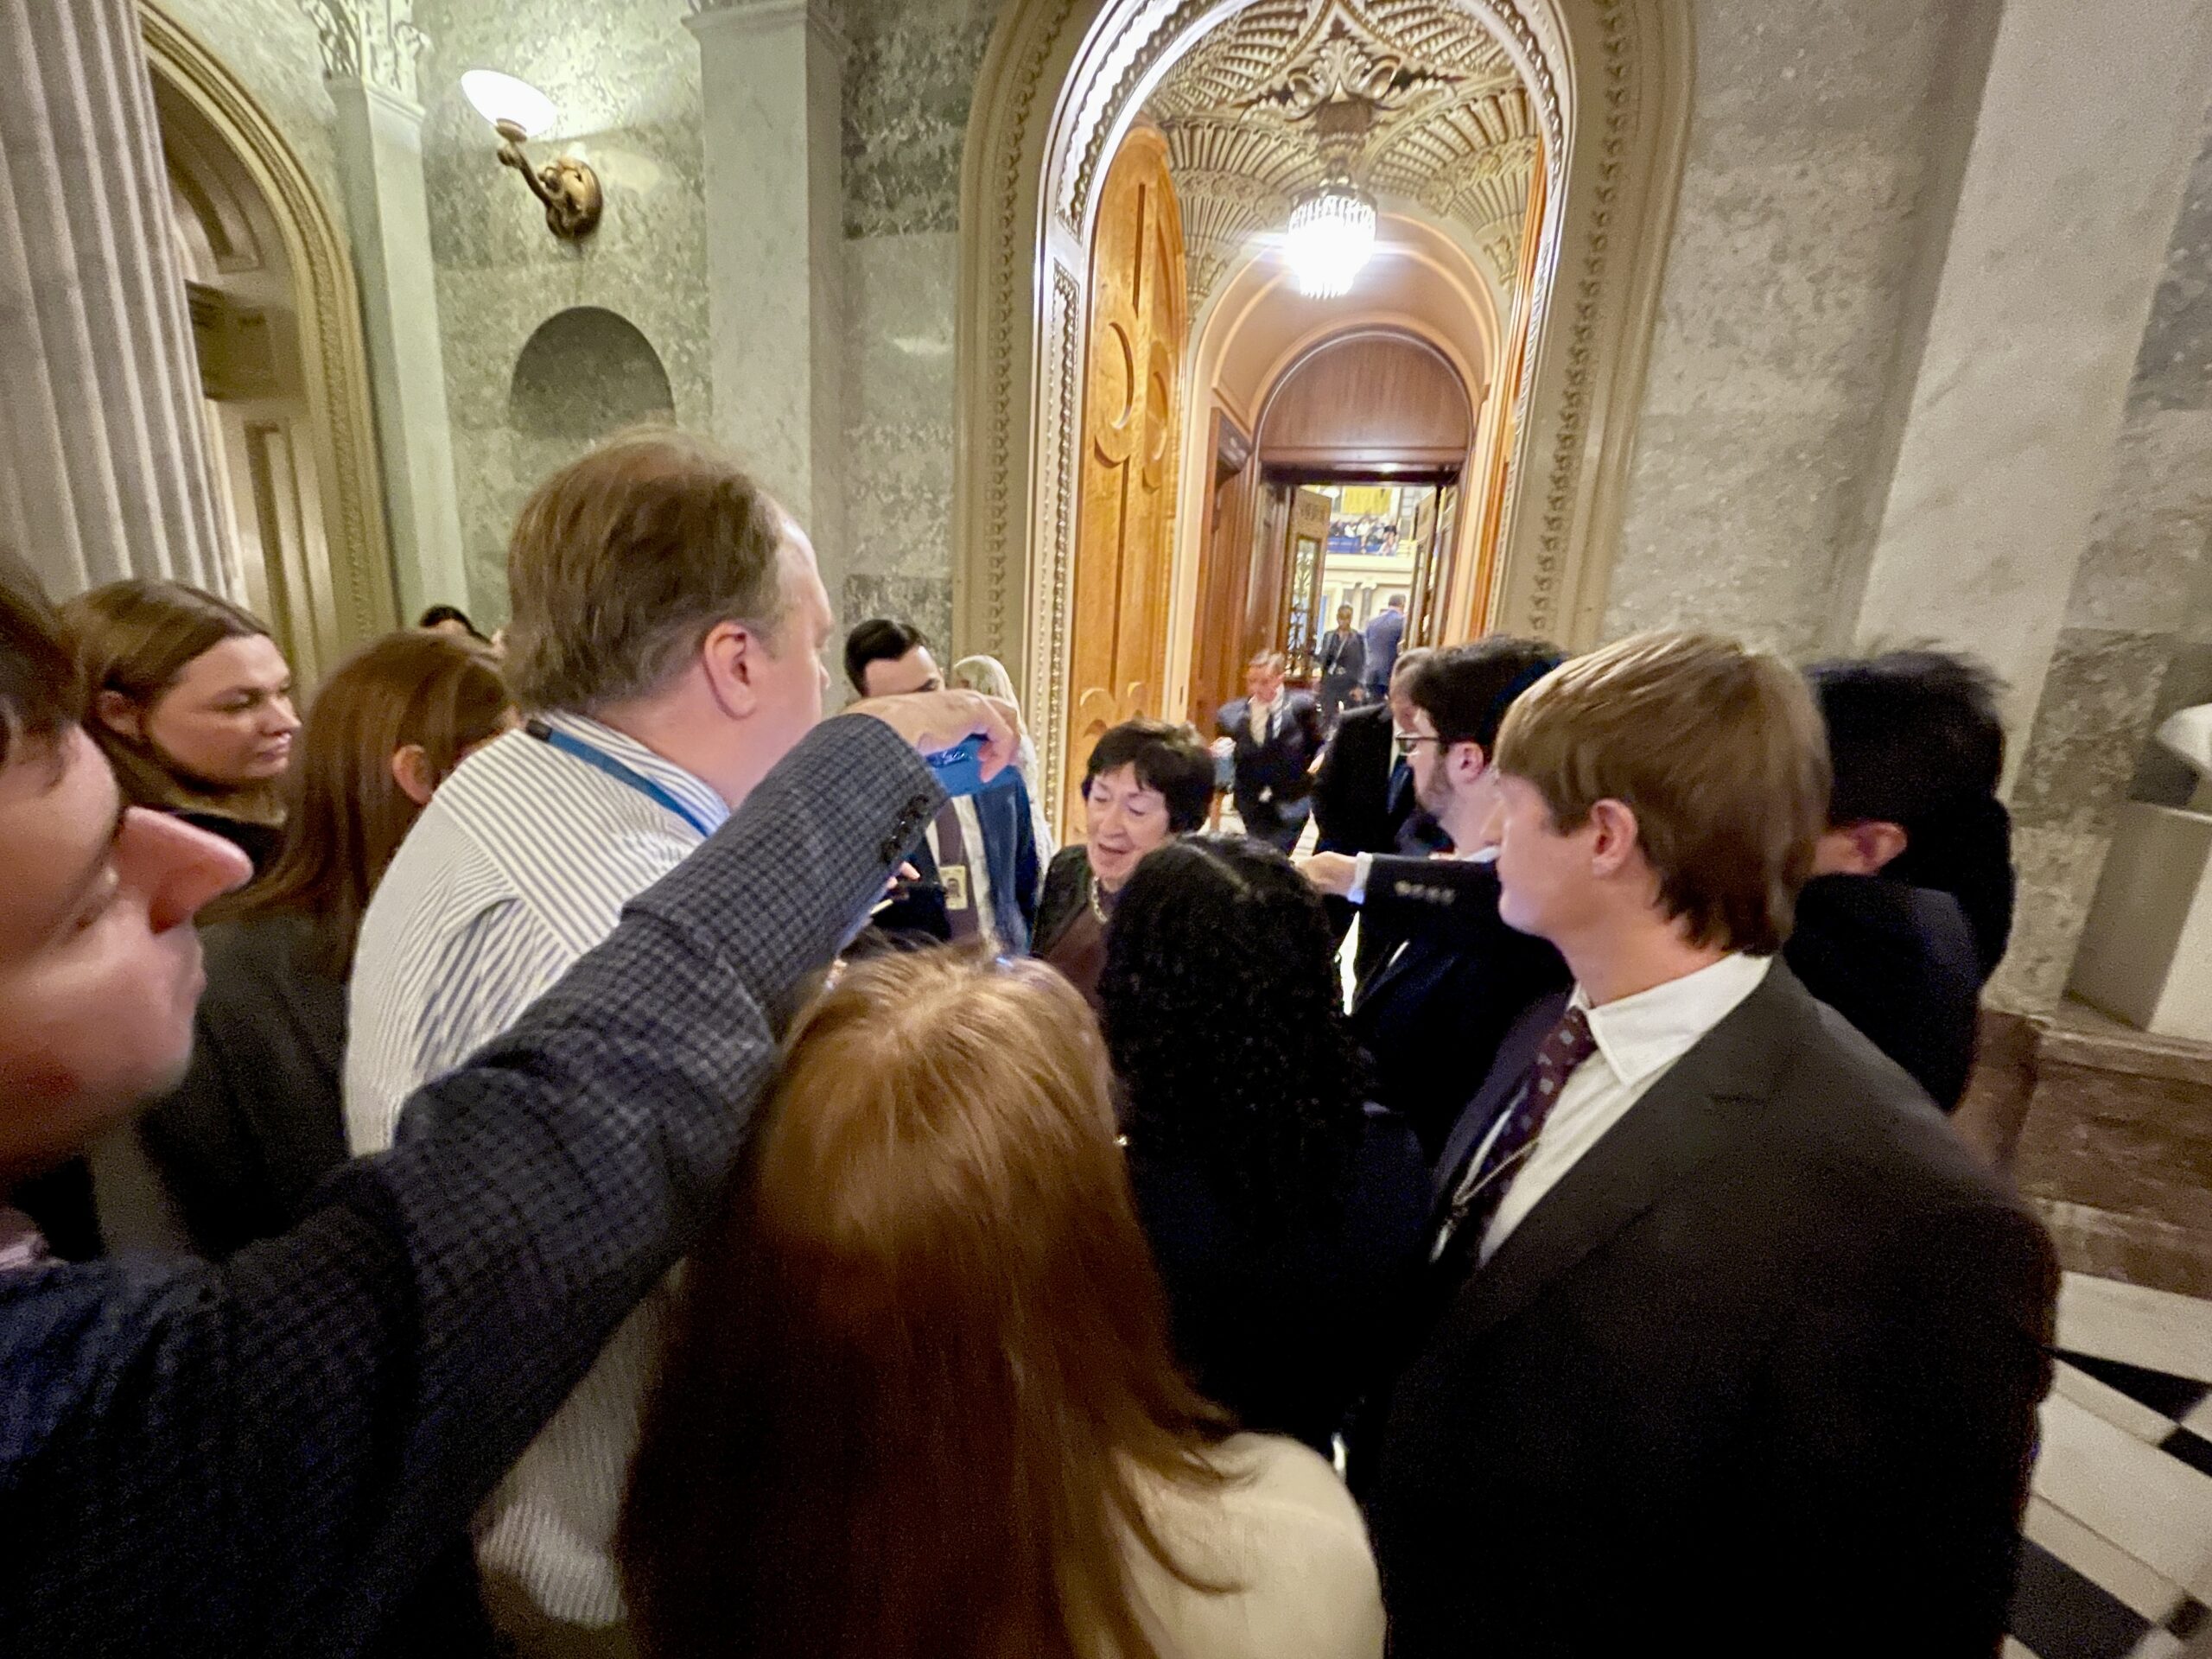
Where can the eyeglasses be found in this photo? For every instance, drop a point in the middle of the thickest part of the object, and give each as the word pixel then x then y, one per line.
pixel 1408 742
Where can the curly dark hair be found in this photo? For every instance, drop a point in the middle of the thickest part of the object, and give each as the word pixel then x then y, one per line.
pixel 1225 1022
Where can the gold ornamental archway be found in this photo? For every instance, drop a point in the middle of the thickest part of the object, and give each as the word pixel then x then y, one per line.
pixel 1062 80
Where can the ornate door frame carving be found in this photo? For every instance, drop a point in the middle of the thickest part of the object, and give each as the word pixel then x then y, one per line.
pixel 1061 82
pixel 334 357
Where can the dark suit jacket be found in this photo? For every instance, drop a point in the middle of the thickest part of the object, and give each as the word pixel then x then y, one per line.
pixel 1899 962
pixel 1285 1331
pixel 1343 657
pixel 1385 633
pixel 1352 808
pixel 1281 763
pixel 257 1459
pixel 1432 1015
pixel 1759 1375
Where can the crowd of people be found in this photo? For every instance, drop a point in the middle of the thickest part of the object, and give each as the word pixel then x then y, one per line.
pixel 656 1170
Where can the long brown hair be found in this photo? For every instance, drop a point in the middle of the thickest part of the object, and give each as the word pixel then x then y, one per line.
pixel 921 1373
pixel 136 637
pixel 348 813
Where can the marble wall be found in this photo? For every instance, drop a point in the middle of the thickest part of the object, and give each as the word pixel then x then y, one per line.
pixel 2137 638
pixel 908 78
pixel 1820 168
pixel 625 75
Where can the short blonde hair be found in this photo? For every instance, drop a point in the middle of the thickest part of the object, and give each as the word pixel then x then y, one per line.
pixel 623 560
pixel 1716 748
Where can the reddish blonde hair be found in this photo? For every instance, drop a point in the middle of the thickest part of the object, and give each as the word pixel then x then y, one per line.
pixel 921 1369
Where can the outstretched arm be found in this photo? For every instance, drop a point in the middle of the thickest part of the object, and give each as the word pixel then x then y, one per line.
pixel 256 1458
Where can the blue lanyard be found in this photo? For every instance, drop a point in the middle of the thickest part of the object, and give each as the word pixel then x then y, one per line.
pixel 621 774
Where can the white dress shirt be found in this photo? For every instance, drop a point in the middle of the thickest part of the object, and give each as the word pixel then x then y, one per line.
pixel 520 864
pixel 1639 1039
pixel 1262 715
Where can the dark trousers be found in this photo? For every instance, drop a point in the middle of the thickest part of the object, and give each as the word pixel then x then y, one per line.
pixel 1335 693
pixel 1265 820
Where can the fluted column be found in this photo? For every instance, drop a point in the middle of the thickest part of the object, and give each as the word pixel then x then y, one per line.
pixel 104 462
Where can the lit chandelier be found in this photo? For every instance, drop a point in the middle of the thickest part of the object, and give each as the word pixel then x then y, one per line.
pixel 1333 228
pixel 1331 236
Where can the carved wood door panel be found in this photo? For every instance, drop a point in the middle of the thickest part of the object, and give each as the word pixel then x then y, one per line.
pixel 1132 421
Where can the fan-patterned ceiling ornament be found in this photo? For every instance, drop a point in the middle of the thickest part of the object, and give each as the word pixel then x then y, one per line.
pixel 1451 127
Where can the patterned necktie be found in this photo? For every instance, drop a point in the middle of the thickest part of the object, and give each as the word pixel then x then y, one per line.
pixel 1483 1188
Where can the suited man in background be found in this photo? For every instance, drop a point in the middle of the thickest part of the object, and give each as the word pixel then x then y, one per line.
pixel 979 873
pixel 1926 727
pixel 1271 736
pixel 1432 1012
pixel 1364 801
pixel 1385 633
pixel 1342 663
pixel 1736 1347
pixel 1897 956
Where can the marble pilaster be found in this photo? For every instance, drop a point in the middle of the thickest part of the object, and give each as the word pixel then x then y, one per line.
pixel 104 461
pixel 771 94
pixel 369 52
pixel 2068 199
pixel 2124 659
pixel 1819 173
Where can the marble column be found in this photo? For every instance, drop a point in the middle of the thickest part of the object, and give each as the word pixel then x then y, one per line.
pixel 772 86
pixel 2135 643
pixel 2071 189
pixel 370 51
pixel 103 448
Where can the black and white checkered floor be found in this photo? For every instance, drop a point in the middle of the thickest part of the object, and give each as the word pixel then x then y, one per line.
pixel 2117 1562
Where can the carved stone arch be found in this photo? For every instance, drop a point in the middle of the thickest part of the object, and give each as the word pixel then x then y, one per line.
pixel 1610 81
pixel 357 597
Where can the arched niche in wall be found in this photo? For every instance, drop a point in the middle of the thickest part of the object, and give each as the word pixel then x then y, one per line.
pixel 244 199
pixel 1063 81
pixel 585 373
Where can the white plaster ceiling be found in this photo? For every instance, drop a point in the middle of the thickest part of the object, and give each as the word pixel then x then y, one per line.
pixel 1451 130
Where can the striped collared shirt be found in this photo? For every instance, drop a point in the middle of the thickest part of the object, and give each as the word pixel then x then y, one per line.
pixel 520 864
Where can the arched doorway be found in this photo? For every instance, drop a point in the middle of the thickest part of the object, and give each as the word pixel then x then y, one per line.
pixel 276 318
pixel 1371 430
pixel 1424 288
pixel 1131 420
pixel 1608 81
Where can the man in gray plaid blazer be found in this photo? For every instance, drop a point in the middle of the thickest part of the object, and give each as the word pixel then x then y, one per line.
pixel 258 1457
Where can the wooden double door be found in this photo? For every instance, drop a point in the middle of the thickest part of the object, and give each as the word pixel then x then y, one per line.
pixel 1132 411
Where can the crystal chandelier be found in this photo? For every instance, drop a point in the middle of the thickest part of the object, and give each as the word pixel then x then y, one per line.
pixel 1333 227
pixel 1331 236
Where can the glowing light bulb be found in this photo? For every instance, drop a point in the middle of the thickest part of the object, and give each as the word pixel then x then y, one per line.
pixel 1332 236
pixel 503 98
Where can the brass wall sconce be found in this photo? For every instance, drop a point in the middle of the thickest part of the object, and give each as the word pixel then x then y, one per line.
pixel 516 109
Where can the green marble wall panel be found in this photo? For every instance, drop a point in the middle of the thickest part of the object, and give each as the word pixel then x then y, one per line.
pixel 624 76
